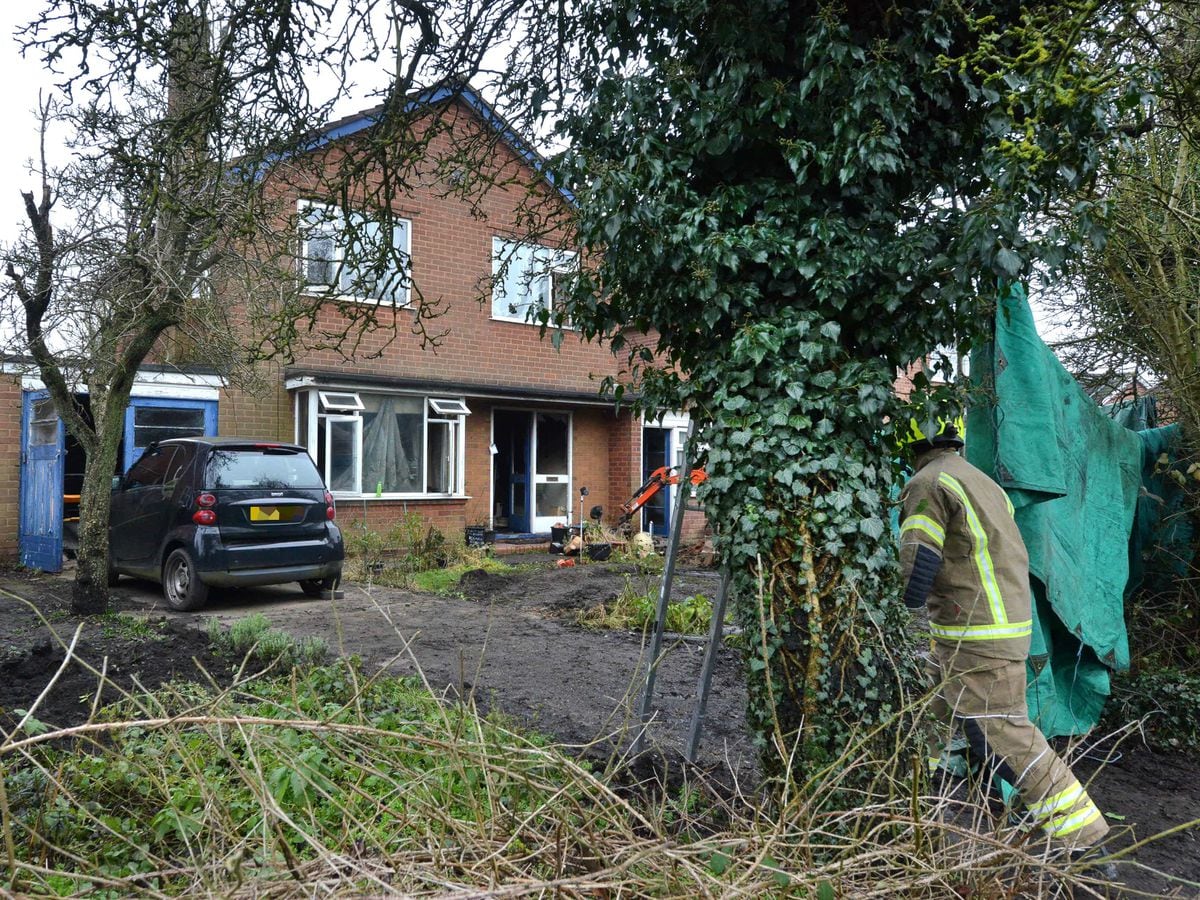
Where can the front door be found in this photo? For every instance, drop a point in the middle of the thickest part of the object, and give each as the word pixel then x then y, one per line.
pixel 42 456
pixel 656 453
pixel 532 469
pixel 551 470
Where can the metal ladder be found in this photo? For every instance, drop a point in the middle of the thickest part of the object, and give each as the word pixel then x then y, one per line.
pixel 704 683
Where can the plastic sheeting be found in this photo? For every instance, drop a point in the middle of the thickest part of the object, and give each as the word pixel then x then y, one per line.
pixel 1074 477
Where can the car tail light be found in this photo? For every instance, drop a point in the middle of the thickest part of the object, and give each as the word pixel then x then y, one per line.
pixel 205 514
pixel 330 512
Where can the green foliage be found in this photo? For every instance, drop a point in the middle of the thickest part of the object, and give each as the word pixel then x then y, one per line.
pixel 791 212
pixel 368 785
pixel 181 795
pixel 254 634
pixel 409 547
pixel 445 581
pixel 636 609
pixel 129 627
pixel 1165 700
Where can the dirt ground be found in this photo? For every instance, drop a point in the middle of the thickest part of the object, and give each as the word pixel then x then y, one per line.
pixel 512 643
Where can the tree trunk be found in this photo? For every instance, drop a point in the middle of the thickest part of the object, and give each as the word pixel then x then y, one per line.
pixel 798 490
pixel 89 594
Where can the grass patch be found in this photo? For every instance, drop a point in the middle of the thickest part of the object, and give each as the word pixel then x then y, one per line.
pixel 413 556
pixel 134 628
pixel 445 581
pixel 635 610
pixel 329 782
pixel 253 635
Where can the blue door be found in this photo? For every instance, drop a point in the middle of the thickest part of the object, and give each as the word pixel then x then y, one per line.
pixel 520 519
pixel 42 457
pixel 657 451
pixel 512 481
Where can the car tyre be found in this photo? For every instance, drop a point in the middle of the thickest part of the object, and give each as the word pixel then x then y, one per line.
pixel 318 587
pixel 182 587
pixel 113 575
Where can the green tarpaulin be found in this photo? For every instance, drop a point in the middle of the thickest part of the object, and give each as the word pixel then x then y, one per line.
pixel 1074 477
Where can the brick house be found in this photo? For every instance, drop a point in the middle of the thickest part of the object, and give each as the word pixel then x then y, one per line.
pixel 497 427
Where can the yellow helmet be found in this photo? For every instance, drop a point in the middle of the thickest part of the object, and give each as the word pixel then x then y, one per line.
pixel 940 432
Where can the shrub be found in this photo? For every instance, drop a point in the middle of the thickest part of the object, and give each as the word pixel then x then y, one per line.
pixel 636 609
pixel 254 635
pixel 1164 700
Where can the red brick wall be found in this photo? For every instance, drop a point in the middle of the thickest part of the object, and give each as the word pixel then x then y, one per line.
pixel 10 464
pixel 451 244
pixel 256 415
pixel 625 459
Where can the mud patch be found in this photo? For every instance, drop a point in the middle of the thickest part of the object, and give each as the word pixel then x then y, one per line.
pixel 107 663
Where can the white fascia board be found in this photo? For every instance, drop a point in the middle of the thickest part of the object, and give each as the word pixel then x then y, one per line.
pixel 145 384
pixel 668 420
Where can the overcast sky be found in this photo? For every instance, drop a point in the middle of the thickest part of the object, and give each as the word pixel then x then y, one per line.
pixel 20 80
pixel 22 77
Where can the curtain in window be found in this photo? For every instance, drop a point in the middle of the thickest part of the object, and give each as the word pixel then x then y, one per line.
pixel 385 459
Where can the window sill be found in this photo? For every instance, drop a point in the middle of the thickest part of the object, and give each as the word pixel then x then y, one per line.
pixel 311 291
pixel 398 498
pixel 550 326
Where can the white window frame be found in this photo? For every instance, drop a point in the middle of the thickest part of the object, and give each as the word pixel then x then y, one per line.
pixel 447 407
pixel 551 263
pixel 456 434
pixel 331 420
pixel 334 224
pixel 340 401
pixel 446 411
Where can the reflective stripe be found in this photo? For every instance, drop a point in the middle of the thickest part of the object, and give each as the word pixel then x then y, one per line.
pixel 1059 801
pixel 1067 824
pixel 983 559
pixel 1008 503
pixel 982 632
pixel 923 523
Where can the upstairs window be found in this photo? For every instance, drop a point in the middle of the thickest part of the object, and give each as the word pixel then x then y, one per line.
pixel 527 278
pixel 353 257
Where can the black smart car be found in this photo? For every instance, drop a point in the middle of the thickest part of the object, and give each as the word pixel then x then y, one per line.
pixel 204 512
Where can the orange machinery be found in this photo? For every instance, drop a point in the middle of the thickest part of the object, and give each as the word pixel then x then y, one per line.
pixel 658 479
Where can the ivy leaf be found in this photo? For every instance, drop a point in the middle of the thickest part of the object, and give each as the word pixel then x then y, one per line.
pixel 1009 262
pixel 872 528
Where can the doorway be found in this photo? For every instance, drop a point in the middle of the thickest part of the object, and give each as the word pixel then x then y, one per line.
pixel 656 453
pixel 531 476
pixel 53 462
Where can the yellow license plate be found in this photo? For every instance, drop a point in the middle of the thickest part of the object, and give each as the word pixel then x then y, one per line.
pixel 276 513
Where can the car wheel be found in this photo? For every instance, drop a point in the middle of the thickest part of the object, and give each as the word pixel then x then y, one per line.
pixel 317 587
pixel 182 587
pixel 113 574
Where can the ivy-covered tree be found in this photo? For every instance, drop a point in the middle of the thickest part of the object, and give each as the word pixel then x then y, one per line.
pixel 793 199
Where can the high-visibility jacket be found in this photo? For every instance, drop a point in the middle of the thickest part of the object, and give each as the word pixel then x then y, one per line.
pixel 979 600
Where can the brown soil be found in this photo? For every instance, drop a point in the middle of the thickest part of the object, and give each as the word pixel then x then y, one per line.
pixel 512 643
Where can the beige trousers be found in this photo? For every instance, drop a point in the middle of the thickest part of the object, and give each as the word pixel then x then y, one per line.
pixel 986 698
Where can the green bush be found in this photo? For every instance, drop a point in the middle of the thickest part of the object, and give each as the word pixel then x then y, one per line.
pixel 636 609
pixel 1165 701
pixel 407 548
pixel 254 634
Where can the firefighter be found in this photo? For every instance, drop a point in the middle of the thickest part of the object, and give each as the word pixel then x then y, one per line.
pixel 963 559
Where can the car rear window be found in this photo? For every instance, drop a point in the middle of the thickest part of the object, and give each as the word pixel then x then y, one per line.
pixel 267 468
